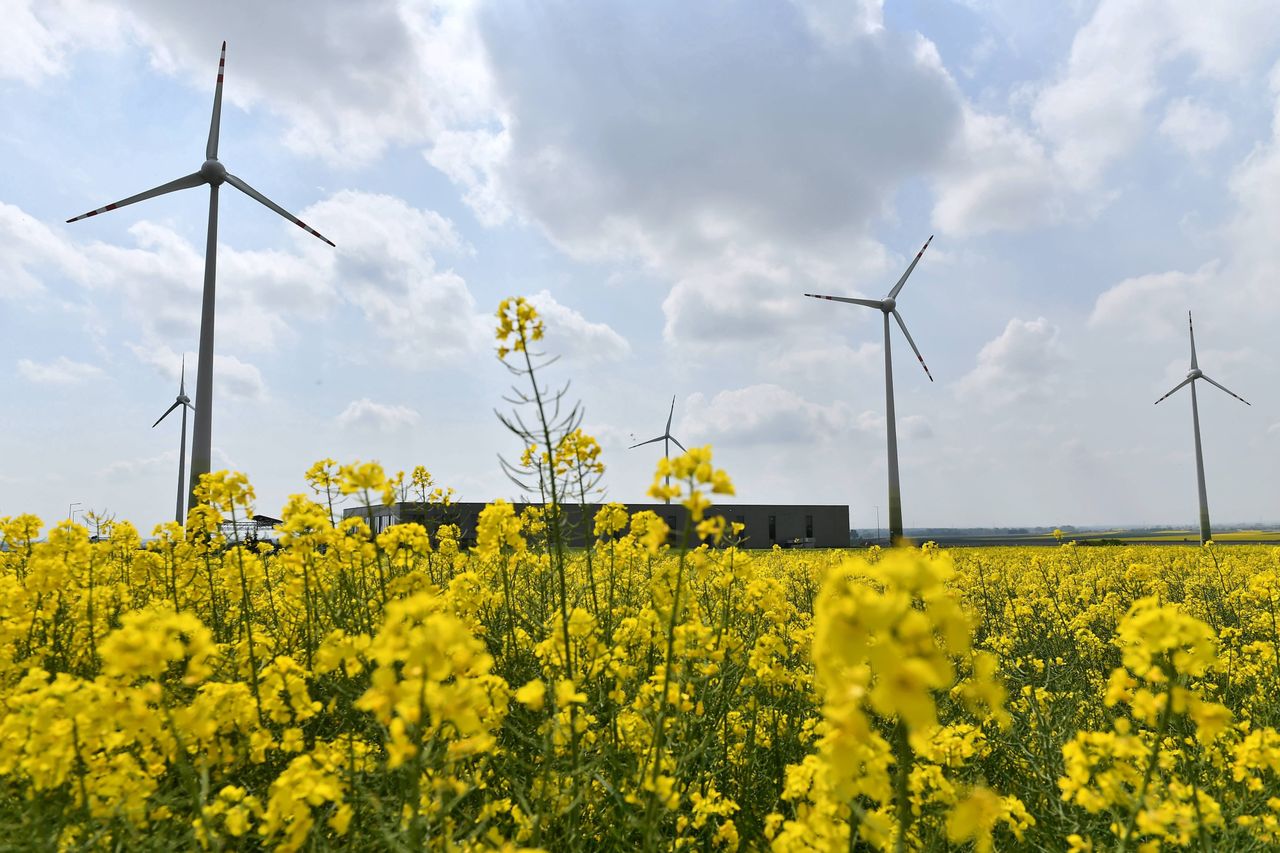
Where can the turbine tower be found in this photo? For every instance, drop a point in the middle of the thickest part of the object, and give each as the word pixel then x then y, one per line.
pixel 889 306
pixel 1192 375
pixel 213 173
pixel 184 401
pixel 666 438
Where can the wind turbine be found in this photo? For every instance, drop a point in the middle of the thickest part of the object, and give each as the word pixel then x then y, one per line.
pixel 185 402
pixel 1192 375
pixel 213 173
pixel 889 306
pixel 666 438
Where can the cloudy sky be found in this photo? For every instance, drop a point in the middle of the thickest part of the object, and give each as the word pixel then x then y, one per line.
pixel 665 180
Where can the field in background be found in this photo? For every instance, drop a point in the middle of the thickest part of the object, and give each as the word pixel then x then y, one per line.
pixel 1089 537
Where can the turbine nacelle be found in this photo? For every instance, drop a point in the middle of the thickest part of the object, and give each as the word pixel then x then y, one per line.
pixel 184 399
pixel 213 171
pixel 888 304
pixel 1195 373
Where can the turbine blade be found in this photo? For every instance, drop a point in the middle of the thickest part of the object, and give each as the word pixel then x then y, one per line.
pixel 257 196
pixel 193 180
pixel 893 294
pixel 211 150
pixel 1225 388
pixel 870 303
pixel 175 405
pixel 182 382
pixel 671 414
pixel 1192 330
pixel 643 443
pixel 678 444
pixel 1186 381
pixel 919 357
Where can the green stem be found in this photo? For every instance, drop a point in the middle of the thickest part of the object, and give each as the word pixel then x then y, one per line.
pixel 901 776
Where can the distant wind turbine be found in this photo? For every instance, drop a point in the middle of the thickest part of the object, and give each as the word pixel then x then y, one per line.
pixel 888 306
pixel 213 173
pixel 1192 375
pixel 185 402
pixel 666 438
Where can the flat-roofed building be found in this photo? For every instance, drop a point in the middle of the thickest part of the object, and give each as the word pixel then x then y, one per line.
pixel 764 525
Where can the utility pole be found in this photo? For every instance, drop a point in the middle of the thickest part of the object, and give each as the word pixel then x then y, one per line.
pixel 70 515
pixel 877 525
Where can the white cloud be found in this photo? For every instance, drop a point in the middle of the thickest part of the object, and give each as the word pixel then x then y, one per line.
pixel 1255 253
pixel 383 417
pixel 1152 305
pixel 1019 364
pixel 744 131
pixel 29 250
pixel 760 414
pixel 127 469
pixel 747 302
pixel 470 159
pixel 149 467
pixel 755 300
pixel 61 371
pixel 161 278
pixel 38 35
pixel 1194 127
pixel 817 364
pixel 1096 111
pixel 238 380
pixel 999 177
pixel 384 266
pixel 840 22
pixel 355 81
pixel 574 336
pixel 916 427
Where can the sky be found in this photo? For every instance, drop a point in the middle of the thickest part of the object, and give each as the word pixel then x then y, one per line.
pixel 664 180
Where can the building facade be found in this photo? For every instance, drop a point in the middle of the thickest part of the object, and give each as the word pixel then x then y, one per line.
pixel 764 525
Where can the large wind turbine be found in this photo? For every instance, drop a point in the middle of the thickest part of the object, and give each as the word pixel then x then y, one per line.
pixel 1192 375
pixel 888 306
pixel 213 173
pixel 185 402
pixel 666 438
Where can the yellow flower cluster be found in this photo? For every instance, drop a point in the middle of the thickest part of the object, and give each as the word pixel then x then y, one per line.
pixel 356 691
pixel 889 638
pixel 518 326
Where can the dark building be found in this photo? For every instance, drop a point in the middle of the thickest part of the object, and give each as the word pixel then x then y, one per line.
pixel 765 525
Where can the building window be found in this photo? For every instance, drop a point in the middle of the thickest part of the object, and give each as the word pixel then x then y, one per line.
pixel 808 527
pixel 773 528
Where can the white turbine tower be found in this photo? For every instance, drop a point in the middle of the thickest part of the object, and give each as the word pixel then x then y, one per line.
pixel 666 438
pixel 213 173
pixel 1192 375
pixel 888 306
pixel 185 402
